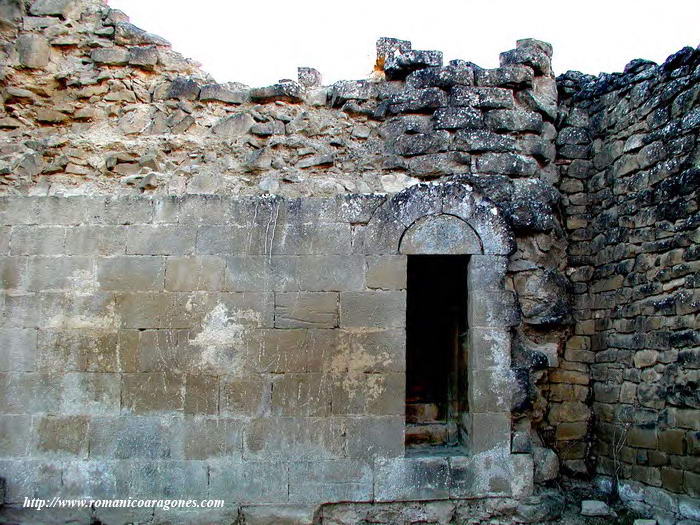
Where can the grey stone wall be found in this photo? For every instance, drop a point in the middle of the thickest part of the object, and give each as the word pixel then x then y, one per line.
pixel 250 350
pixel 628 151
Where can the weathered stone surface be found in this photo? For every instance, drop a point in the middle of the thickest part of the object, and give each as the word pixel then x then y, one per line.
pixel 33 51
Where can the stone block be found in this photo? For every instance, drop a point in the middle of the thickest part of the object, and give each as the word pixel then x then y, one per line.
pixel 369 394
pixel 306 310
pixel 297 395
pixel 152 392
pixel 144 310
pixel 59 273
pixel 244 396
pixel 5 232
pixel 128 437
pixel 19 348
pixel 312 239
pixel 38 240
pixel 207 438
pixel 95 240
pixel 297 438
pixel 487 272
pixel 458 118
pixel 440 235
pixel 493 309
pixel 62 436
pixel 27 478
pixel 111 56
pixel 160 240
pixel 386 272
pixel 513 120
pixel 324 481
pixel 488 474
pixel 33 51
pixel 489 348
pixel 279 514
pixel 373 351
pixel 201 394
pixel 373 309
pixel 255 273
pixel 489 432
pixel 89 479
pixel 672 441
pixel 164 479
pixel 490 390
pixel 642 438
pixel 248 481
pixel 131 273
pixel 412 479
pixel 77 351
pixel 30 393
pixel 145 57
pixel 506 164
pixel 90 393
pixel 332 273
pixel 295 350
pixel 121 211
pixel 16 435
pixel 13 272
pixel 375 437
pixel 184 274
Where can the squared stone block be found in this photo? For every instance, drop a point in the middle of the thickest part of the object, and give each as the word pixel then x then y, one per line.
pixel 130 437
pixel 157 351
pixel 306 310
pixel 386 272
pixel 373 309
pixel 145 310
pixel 89 479
pixel 147 479
pixel 184 274
pixel 376 437
pixel 489 348
pixel 62 436
pixel 16 435
pixel 331 273
pixel 372 351
pixel 152 392
pixel 491 474
pixel 207 438
pixel 487 273
pixel 489 432
pixel 29 478
pixel 493 309
pixel 121 210
pixel 243 396
pixel 313 239
pixel 361 393
pixel 78 351
pixel 38 240
pixel 18 349
pixel 301 395
pixel 326 481
pixel 258 273
pixel 201 394
pixel 412 479
pixel 248 482
pixel 297 438
pixel 60 273
pixel 13 273
pixel 160 240
pixel 491 390
pixel 131 273
pixel 235 240
pixel 90 393
pixel 30 393
pixel 204 209
pixel 296 350
pixel 5 232
pixel 96 240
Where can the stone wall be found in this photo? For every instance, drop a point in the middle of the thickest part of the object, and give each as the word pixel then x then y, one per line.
pixel 629 157
pixel 203 284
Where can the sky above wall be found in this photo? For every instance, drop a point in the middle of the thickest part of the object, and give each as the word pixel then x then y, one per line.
pixel 260 42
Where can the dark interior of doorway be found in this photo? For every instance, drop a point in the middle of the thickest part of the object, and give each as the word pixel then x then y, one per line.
pixel 436 353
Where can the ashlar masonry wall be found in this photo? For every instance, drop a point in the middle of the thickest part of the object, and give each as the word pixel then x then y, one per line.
pixel 247 349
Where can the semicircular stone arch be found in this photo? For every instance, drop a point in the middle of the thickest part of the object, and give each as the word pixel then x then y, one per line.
pixel 451 218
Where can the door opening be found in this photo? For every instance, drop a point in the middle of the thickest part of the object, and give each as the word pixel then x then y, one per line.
pixel 436 353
